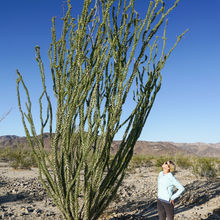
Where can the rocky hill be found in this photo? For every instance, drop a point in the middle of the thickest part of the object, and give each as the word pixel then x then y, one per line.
pixel 141 147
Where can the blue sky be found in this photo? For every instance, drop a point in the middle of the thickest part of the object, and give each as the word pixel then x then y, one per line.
pixel 187 108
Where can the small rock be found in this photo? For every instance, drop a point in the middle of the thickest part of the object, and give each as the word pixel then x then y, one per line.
pixel 37 211
pixel 217 211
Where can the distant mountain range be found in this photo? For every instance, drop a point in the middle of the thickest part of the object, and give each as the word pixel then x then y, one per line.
pixel 141 147
pixel 171 148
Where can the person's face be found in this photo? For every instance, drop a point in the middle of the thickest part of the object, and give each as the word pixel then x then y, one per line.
pixel 165 166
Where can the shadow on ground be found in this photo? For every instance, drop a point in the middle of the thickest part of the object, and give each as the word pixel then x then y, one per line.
pixel 196 193
pixel 11 198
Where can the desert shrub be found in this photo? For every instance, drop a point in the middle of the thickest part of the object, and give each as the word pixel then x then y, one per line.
pixel 141 160
pixel 204 167
pixel 21 163
pixel 4 154
pixel 18 157
pixel 216 162
pixel 183 162
pixel 218 169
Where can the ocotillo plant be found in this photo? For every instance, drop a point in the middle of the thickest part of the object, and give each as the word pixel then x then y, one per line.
pixel 100 58
pixel 5 115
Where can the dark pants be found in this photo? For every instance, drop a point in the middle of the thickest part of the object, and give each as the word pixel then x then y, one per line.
pixel 165 210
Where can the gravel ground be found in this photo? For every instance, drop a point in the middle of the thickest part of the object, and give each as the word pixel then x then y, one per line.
pixel 23 197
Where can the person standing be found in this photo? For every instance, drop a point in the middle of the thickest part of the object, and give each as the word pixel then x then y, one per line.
pixel 166 195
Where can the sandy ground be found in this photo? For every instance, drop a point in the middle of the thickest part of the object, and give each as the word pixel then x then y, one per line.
pixel 22 196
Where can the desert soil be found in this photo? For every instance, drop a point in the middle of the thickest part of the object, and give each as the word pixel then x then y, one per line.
pixel 23 197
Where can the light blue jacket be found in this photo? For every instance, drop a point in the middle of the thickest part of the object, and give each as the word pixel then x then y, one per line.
pixel 166 184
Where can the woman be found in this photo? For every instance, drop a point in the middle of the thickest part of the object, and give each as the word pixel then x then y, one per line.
pixel 166 184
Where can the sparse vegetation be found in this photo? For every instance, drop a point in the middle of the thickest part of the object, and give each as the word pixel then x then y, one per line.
pixel 18 158
pixel 23 158
pixel 200 166
pixel 184 162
